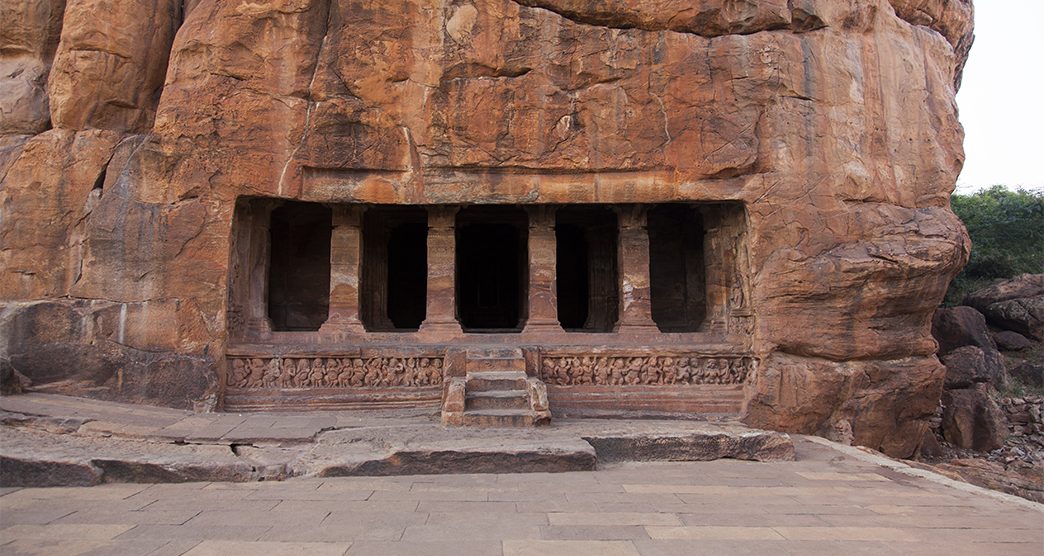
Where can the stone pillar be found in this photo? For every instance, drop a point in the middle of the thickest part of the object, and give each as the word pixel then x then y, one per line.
pixel 635 299
pixel 441 306
pixel 258 325
pixel 543 298
pixel 345 269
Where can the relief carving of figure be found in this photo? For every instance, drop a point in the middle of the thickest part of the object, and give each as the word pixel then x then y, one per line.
pixel 668 371
pixel 557 374
pixel 269 372
pixel 643 370
pixel 373 372
pixel 423 377
pixel 255 373
pixel 435 378
pixel 318 370
pixel 601 371
pixel 344 376
pixel 634 371
pixel 333 372
pixel 237 374
pixel 684 372
pixel 358 372
pixel 696 370
pixel 333 369
pixel 304 373
pixel 618 371
pixel 586 372
pixel 391 371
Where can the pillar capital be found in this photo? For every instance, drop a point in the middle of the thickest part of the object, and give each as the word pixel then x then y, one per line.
pixel 442 217
pixel 541 216
pixel 633 216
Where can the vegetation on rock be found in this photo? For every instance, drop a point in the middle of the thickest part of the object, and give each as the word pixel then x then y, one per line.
pixel 1007 232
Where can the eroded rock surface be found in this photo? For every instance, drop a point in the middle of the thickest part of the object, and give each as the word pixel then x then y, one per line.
pixel 833 121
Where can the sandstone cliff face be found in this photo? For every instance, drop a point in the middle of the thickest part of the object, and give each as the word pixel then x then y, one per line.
pixel 124 145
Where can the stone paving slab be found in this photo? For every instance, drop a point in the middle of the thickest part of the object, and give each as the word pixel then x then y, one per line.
pixel 822 502
pixel 57 440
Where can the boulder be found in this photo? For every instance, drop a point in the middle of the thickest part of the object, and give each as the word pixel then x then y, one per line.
pixel 12 381
pixel 1024 315
pixel 1028 373
pixel 971 419
pixel 1008 340
pixel 1024 285
pixel 969 365
pixel 930 447
pixel 1016 304
pixel 955 327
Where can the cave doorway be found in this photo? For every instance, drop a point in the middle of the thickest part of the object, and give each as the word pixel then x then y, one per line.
pixel 299 275
pixel 393 281
pixel 586 261
pixel 677 269
pixel 492 265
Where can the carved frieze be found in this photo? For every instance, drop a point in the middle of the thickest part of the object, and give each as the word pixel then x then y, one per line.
pixel 333 372
pixel 618 370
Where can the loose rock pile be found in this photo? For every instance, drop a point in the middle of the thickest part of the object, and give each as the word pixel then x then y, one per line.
pixel 989 428
pixel 1025 417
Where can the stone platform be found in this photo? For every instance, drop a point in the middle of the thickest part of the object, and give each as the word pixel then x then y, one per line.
pixel 828 500
pixel 52 440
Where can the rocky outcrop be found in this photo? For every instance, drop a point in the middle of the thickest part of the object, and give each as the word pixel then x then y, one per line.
pixel 969 365
pixel 1008 340
pixel 111 76
pixel 1029 373
pixel 1016 304
pixel 954 327
pixel 971 419
pixel 1017 467
pixel 885 404
pixel 29 31
pixel 833 122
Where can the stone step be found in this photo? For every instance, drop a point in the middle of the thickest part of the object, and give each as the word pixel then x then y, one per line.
pixel 496 380
pixel 495 352
pixel 497 399
pixel 500 418
pixel 481 364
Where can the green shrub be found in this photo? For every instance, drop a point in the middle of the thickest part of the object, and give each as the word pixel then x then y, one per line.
pixel 1007 233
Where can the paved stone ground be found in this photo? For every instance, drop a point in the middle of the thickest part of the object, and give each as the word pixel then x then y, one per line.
pixel 54 440
pixel 831 500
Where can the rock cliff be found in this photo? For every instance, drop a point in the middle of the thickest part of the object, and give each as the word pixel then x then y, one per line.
pixel 128 128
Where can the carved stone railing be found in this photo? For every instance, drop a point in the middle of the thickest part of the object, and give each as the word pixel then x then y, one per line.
pixel 270 372
pixel 645 370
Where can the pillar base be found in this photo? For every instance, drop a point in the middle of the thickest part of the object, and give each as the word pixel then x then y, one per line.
pixel 543 327
pixel 643 329
pixel 441 329
pixel 342 327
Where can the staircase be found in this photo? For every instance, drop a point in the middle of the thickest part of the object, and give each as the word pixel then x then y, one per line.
pixel 495 392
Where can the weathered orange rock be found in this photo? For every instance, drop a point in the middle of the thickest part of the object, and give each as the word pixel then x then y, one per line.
pixel 108 72
pixel 833 122
pixel 29 32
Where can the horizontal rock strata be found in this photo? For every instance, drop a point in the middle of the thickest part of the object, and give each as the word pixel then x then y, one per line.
pixel 129 128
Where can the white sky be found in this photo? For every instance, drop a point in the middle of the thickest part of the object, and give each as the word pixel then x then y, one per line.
pixel 1002 98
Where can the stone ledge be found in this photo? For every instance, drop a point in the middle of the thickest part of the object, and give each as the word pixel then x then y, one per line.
pixel 44 447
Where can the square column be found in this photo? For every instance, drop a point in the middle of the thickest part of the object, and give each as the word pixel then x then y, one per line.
pixel 345 268
pixel 259 259
pixel 635 289
pixel 543 298
pixel 441 305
